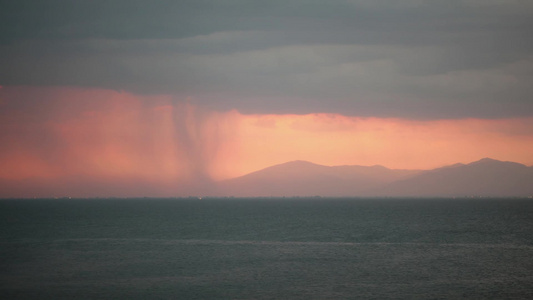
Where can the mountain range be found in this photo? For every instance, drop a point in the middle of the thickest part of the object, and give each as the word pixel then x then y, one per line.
pixel 486 177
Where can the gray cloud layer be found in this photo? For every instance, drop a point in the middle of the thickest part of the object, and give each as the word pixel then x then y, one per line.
pixel 415 59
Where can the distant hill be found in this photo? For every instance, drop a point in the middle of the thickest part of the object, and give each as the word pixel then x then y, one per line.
pixel 486 177
pixel 301 178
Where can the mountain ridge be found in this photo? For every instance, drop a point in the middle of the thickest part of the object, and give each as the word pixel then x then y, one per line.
pixel 484 177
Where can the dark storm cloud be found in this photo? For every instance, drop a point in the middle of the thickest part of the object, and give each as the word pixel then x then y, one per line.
pixel 421 59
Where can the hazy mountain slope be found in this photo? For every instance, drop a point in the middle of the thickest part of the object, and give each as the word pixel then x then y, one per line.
pixel 301 178
pixel 486 177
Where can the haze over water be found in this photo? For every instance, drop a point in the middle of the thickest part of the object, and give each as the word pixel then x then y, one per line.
pixel 266 248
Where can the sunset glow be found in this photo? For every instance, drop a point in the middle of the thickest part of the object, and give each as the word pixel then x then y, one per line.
pixel 332 139
pixel 169 99
pixel 102 134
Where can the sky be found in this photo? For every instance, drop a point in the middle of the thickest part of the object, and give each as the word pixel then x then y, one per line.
pixel 164 98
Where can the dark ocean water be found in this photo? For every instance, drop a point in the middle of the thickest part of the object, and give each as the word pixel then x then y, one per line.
pixel 266 249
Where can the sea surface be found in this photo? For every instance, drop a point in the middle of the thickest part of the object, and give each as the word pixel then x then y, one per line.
pixel 266 249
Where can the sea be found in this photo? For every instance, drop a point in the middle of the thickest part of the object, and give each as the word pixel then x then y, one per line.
pixel 266 248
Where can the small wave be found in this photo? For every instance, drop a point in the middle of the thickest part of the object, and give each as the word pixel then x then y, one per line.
pixel 272 243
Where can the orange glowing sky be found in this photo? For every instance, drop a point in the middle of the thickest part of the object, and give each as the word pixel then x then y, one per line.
pixel 111 135
pixel 158 99
pixel 332 139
